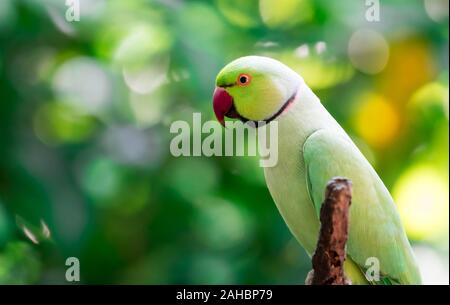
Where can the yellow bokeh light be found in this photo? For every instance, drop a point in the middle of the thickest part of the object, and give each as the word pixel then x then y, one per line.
pixel 422 197
pixel 240 13
pixel 285 13
pixel 431 93
pixel 409 58
pixel 377 121
pixel 317 71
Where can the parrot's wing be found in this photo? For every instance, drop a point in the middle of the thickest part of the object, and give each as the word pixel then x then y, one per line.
pixel 375 230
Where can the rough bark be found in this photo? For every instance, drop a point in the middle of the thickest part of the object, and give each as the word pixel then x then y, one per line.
pixel 328 259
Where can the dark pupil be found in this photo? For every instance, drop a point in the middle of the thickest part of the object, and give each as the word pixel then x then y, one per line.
pixel 243 79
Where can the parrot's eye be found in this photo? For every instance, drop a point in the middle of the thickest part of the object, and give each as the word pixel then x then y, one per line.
pixel 244 80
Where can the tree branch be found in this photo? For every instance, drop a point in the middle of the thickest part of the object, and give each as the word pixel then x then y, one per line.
pixel 328 259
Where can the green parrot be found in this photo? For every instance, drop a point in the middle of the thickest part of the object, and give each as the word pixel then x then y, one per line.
pixel 312 149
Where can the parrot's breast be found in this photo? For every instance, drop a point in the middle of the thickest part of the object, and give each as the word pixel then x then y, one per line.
pixel 287 184
pixel 287 179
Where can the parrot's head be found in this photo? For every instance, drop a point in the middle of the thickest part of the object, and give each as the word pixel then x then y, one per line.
pixel 254 88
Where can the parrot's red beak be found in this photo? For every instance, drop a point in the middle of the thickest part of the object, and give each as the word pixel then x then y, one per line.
pixel 223 105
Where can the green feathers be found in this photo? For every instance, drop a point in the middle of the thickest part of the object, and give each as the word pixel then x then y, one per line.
pixel 376 233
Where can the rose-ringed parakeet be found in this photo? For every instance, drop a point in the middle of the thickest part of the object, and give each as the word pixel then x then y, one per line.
pixel 312 149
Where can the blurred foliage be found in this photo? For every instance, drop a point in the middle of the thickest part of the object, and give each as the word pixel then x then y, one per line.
pixel 85 110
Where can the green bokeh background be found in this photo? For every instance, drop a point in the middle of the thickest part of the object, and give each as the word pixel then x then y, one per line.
pixel 85 112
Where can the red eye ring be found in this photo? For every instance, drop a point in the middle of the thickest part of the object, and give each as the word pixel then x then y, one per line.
pixel 244 79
